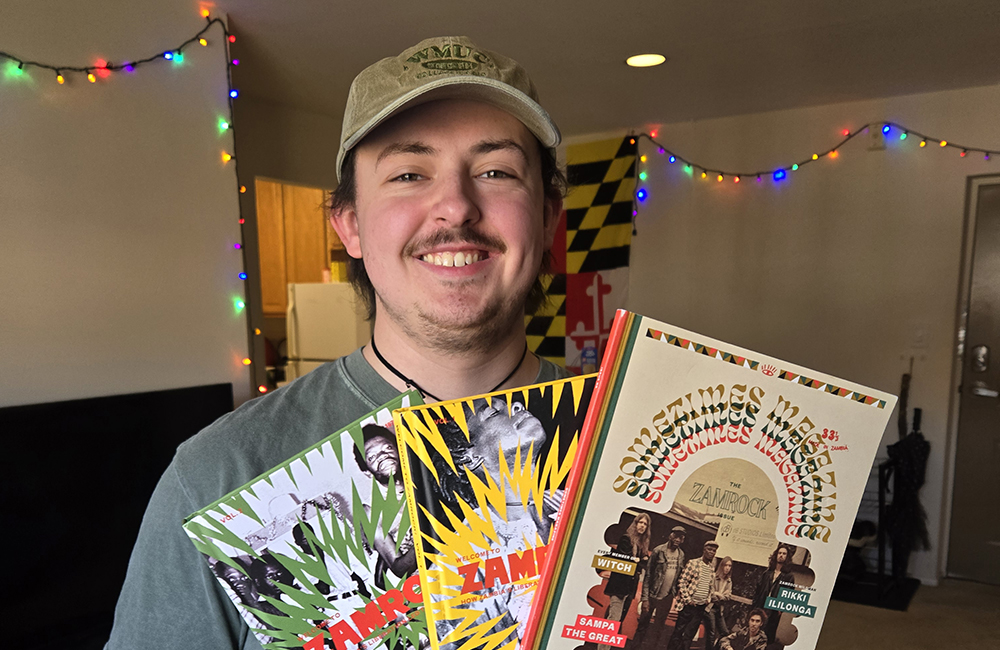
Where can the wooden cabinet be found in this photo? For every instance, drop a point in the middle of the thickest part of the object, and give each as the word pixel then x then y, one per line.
pixel 294 239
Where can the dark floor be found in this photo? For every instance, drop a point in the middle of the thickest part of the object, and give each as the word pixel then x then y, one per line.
pixel 956 614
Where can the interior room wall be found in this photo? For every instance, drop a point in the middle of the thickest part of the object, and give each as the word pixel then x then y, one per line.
pixel 849 266
pixel 118 216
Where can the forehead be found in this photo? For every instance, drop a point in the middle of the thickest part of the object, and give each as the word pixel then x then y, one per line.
pixel 449 124
pixel 377 440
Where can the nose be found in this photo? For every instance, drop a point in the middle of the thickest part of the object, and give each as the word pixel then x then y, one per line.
pixel 455 202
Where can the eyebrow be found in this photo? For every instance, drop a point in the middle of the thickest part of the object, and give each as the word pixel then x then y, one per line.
pixel 413 147
pixel 421 149
pixel 489 146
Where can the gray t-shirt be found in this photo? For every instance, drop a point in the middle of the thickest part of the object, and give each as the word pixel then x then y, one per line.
pixel 171 599
pixel 671 567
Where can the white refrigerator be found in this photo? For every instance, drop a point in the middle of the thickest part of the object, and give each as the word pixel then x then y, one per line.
pixel 324 322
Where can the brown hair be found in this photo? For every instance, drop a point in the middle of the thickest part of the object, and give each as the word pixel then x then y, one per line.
pixel 640 541
pixel 553 186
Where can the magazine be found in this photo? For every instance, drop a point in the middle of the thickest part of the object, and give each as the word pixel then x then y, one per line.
pixel 318 553
pixel 713 500
pixel 484 479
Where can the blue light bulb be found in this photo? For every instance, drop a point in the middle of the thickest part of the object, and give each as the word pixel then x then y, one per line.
pixel 886 129
pixel 779 175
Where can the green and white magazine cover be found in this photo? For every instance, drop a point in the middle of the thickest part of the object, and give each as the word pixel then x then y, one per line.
pixel 317 553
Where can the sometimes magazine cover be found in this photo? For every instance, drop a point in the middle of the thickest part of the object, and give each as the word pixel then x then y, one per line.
pixel 318 553
pixel 713 502
pixel 484 479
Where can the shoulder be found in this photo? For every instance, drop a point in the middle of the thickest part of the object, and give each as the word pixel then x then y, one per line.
pixel 548 371
pixel 268 430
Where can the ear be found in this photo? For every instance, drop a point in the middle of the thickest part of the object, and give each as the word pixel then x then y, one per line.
pixel 551 217
pixel 345 222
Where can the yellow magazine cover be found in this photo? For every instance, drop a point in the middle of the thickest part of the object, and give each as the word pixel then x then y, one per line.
pixel 484 482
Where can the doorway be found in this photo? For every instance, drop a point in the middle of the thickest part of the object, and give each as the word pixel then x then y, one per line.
pixel 974 541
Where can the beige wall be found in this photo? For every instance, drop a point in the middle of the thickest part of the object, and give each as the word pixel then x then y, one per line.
pixel 117 215
pixel 851 266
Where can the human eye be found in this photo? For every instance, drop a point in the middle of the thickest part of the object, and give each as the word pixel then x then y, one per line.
pixel 408 177
pixel 495 174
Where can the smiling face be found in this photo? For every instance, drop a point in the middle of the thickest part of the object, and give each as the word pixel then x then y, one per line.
pixel 492 428
pixel 382 458
pixel 451 221
pixel 241 584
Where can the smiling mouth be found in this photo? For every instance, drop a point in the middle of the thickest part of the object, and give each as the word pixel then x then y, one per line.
pixel 458 258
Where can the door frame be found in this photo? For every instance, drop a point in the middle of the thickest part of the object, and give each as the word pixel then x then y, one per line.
pixel 972 185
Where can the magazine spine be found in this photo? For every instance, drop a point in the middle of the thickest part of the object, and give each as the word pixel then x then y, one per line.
pixel 554 558
pixel 411 506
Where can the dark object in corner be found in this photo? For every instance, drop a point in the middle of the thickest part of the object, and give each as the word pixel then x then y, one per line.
pixel 76 483
pixel 906 520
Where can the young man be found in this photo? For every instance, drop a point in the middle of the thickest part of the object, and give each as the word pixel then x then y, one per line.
pixel 695 587
pixel 448 202
pixel 752 638
pixel 665 565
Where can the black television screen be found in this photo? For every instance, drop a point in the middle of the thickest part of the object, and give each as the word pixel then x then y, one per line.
pixel 77 477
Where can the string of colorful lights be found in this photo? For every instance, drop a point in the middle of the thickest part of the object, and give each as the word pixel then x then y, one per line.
pixel 781 173
pixel 101 69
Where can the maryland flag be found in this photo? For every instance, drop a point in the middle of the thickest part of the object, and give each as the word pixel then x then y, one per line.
pixel 591 251
pixel 484 480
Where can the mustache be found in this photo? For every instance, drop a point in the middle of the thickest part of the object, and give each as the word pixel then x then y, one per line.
pixel 460 235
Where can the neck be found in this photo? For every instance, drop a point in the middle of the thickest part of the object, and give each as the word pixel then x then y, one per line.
pixel 451 375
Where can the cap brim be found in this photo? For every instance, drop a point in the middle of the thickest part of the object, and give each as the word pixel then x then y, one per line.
pixel 483 89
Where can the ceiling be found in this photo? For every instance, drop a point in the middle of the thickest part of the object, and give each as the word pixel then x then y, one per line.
pixel 724 58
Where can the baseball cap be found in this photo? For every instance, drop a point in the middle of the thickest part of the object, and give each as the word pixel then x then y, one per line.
pixel 711 542
pixel 679 529
pixel 443 67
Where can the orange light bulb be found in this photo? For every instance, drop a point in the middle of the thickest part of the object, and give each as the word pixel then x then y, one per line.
pixel 246 361
pixel 205 13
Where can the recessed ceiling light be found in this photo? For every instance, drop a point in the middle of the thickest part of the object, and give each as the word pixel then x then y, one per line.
pixel 645 60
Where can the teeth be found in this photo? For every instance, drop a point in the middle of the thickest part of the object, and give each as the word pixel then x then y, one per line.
pixel 460 258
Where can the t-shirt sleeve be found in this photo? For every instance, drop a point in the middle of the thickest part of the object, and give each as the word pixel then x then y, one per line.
pixel 171 599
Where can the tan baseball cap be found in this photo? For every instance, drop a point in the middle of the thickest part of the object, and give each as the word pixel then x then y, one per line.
pixel 441 68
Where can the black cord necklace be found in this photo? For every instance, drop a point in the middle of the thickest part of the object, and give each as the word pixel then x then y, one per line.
pixel 412 384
